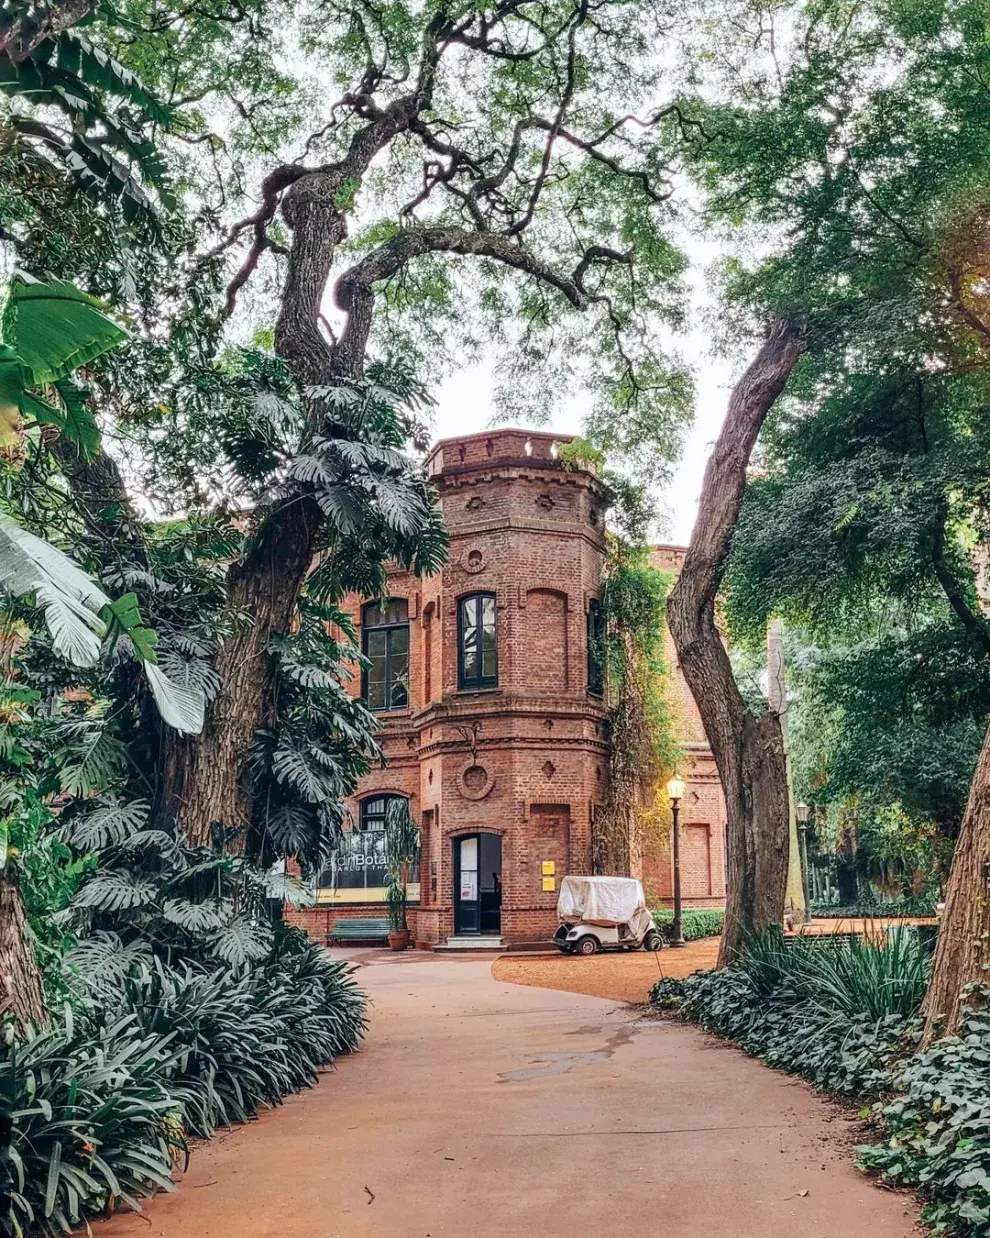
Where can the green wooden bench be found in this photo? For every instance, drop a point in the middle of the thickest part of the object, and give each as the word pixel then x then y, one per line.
pixel 359 929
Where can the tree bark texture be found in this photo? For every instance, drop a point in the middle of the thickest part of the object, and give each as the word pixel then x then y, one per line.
pixel 263 591
pixel 20 34
pixel 21 992
pixel 263 588
pixel 748 749
pixel 777 697
pixel 962 956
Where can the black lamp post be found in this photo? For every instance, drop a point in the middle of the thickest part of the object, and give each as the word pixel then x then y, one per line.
pixel 803 812
pixel 675 789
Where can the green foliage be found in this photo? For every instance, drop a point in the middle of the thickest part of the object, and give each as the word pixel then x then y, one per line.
pixel 401 851
pixel 845 1018
pixel 106 151
pixel 641 732
pixel 859 525
pixel 911 905
pixel 148 1055
pixel 838 1013
pixel 54 329
pixel 696 922
pixel 92 1119
pixel 635 608
pixel 935 1127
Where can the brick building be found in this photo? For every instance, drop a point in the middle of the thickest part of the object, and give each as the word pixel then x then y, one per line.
pixel 493 720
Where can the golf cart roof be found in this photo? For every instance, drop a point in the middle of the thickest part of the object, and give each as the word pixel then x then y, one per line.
pixel 600 900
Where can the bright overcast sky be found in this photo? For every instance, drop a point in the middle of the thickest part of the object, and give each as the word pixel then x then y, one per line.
pixel 464 406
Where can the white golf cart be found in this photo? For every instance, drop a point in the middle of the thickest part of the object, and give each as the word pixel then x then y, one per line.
pixel 604 913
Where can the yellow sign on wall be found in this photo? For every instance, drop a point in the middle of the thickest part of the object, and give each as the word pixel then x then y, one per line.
pixel 549 868
pixel 549 883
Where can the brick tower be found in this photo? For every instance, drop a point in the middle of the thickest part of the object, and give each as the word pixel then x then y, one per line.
pixel 493 722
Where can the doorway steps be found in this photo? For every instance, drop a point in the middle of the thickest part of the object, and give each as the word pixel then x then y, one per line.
pixel 472 941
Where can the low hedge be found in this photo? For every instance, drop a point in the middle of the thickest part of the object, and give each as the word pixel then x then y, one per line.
pixel 696 922
pixel 872 911
pixel 930 1110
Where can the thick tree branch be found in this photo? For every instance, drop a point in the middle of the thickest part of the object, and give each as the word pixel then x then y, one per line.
pixel 354 292
pixel 21 34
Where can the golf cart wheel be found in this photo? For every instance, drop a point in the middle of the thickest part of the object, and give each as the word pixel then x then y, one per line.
pixel 652 941
pixel 587 945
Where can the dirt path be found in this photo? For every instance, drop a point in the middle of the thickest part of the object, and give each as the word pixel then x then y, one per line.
pixel 623 977
pixel 485 1108
pixel 629 977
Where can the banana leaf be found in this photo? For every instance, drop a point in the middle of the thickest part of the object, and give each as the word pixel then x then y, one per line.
pixel 54 328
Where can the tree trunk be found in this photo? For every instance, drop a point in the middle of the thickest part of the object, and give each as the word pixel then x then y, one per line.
pixel 21 991
pixel 963 952
pixel 263 588
pixel 263 591
pixel 777 697
pixel 748 750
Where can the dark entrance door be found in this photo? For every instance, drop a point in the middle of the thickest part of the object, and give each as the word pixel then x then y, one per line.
pixel 478 884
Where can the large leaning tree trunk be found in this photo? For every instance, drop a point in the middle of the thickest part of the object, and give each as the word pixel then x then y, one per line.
pixel 748 749
pixel 265 585
pixel 21 992
pixel 962 956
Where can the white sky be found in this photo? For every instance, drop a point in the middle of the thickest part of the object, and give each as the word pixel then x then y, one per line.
pixel 464 405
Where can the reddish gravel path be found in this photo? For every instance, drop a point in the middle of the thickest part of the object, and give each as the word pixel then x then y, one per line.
pixel 623 977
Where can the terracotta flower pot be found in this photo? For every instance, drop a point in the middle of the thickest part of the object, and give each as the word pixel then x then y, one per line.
pixel 399 940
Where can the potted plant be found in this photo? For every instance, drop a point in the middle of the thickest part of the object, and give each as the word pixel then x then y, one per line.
pixel 401 852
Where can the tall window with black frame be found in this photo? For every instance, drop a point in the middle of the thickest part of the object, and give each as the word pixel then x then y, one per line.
pixel 477 642
pixel 596 648
pixel 385 643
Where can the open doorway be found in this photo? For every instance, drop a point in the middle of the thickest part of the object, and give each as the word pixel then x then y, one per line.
pixel 478 884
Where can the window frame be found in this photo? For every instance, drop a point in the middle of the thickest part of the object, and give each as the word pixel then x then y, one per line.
pixel 479 682
pixel 388 629
pixel 595 637
pixel 373 798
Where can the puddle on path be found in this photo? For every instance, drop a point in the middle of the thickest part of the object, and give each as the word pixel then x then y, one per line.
pixel 546 1065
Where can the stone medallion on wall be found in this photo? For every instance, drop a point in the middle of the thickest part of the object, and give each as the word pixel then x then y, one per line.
pixel 474 781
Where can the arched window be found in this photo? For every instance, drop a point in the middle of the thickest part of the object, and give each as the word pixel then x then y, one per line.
pixel 374 812
pixel 477 642
pixel 596 647
pixel 385 643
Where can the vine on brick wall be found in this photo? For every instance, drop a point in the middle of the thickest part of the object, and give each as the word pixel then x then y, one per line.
pixel 642 748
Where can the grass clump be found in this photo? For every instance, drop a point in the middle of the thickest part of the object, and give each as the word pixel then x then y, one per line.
pixel 147 1054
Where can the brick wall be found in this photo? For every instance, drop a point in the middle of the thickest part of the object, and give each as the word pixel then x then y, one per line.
pixel 524 761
